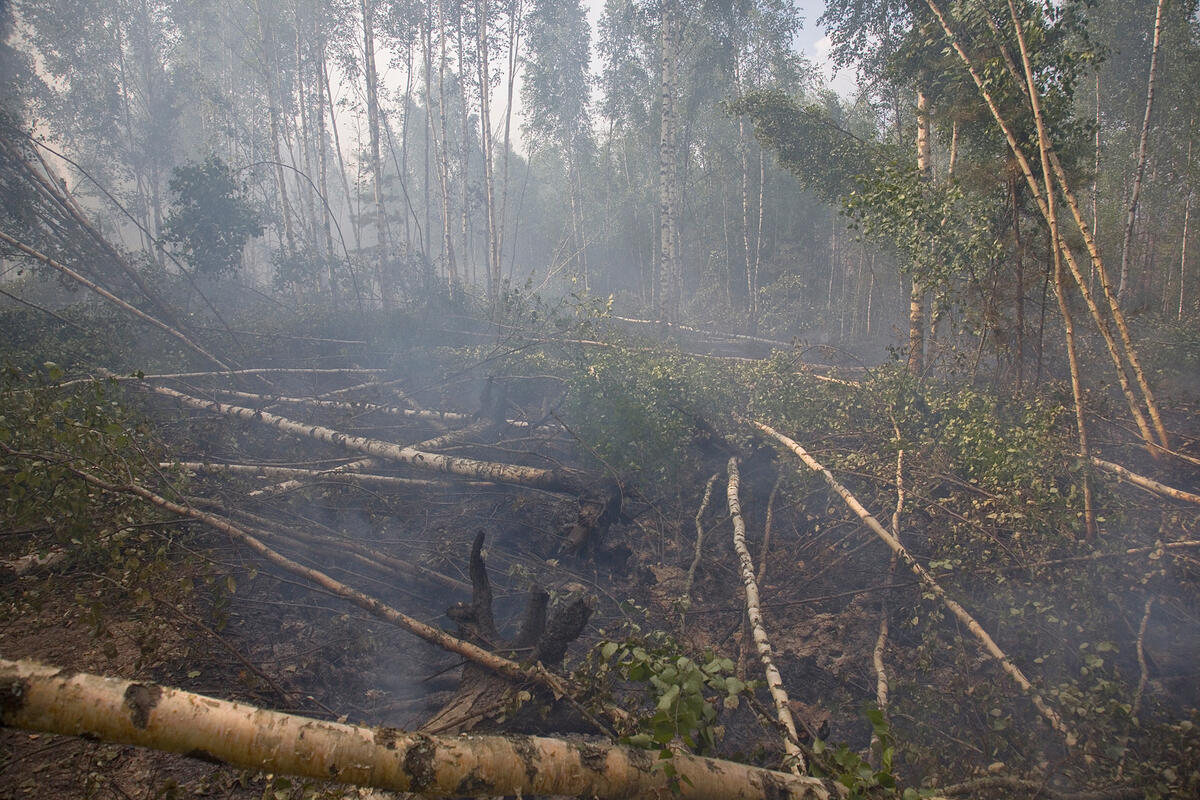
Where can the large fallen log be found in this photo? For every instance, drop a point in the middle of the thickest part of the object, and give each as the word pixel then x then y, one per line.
pixel 44 698
pixel 347 405
pixel 963 616
pixel 550 480
pixel 107 375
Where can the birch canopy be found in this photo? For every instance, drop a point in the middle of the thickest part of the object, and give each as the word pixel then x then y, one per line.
pixel 44 698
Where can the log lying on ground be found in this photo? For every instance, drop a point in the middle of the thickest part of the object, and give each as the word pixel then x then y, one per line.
pixel 295 472
pixel 346 405
pixel 369 604
pixel 222 374
pixel 754 611
pixel 354 468
pixel 550 480
pixel 23 565
pixel 44 698
pixel 989 645
pixel 1146 483
pixel 743 337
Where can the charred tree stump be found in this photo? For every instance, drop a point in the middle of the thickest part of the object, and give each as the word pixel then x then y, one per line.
pixel 488 701
pixel 599 508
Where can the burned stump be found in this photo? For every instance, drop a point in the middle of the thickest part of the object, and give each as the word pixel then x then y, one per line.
pixel 488 701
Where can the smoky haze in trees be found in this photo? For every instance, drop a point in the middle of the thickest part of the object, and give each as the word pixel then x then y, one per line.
pixel 395 150
pixel 463 312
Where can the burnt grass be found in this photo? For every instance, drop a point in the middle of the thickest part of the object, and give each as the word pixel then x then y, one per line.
pixel 183 605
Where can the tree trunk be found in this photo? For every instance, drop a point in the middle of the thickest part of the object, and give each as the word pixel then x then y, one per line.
pixel 112 298
pixel 668 277
pixel 762 644
pixel 470 274
pixel 916 297
pixel 514 48
pixel 267 40
pixel 744 152
pixel 1060 290
pixel 1140 169
pixel 383 265
pixel 43 698
pixel 1102 324
pixel 492 238
pixel 989 645
pixel 1019 349
pixel 551 480
pixel 441 148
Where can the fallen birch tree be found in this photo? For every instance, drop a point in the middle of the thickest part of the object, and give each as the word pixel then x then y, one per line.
pixel 795 756
pixel 550 480
pixel 112 376
pixel 1148 484
pixel 371 605
pixel 287 473
pixel 112 298
pixel 960 613
pixel 346 405
pixel 44 698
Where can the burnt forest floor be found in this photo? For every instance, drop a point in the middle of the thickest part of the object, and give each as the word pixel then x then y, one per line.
pixel 135 592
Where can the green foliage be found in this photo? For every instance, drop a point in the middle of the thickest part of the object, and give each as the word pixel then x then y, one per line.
pixel 638 410
pixel 88 426
pixel 854 772
pixel 937 230
pixel 679 694
pixel 212 218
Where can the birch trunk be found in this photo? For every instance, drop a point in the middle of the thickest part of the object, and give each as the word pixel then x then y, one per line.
pixel 268 45
pixel 1187 216
pixel 1130 353
pixel 916 298
pixel 492 243
pixel 44 698
pixel 960 613
pixel 383 271
pixel 112 298
pixel 514 47
pixel 668 278
pixel 441 148
pixel 1147 483
pixel 550 480
pixel 1140 169
pixel 795 756
pixel 1060 291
